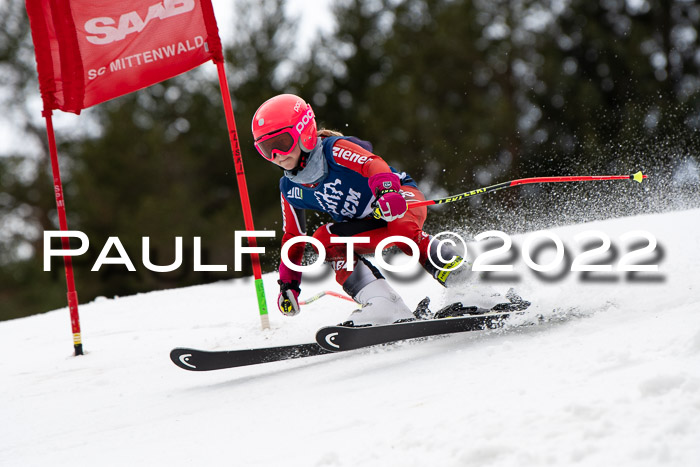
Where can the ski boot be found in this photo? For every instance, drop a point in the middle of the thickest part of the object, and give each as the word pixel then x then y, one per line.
pixel 447 273
pixel 380 304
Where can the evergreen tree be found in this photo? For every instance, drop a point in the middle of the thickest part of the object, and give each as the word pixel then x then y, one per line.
pixel 619 79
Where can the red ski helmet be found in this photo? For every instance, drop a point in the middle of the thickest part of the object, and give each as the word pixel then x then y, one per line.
pixel 280 123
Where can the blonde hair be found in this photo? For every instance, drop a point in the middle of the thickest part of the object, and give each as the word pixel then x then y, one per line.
pixel 325 133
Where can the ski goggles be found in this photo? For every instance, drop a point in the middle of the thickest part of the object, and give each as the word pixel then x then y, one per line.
pixel 279 143
pixel 283 142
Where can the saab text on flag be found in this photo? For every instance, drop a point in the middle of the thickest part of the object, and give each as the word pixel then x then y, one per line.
pixel 90 51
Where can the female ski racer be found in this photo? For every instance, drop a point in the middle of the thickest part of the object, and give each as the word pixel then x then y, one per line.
pixel 328 172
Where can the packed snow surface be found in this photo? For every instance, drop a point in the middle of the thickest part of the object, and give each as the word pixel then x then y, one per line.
pixel 608 375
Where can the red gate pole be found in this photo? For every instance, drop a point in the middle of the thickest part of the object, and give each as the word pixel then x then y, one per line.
pixel 243 191
pixel 65 243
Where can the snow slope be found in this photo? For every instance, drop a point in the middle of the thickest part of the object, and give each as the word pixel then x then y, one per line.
pixel 611 377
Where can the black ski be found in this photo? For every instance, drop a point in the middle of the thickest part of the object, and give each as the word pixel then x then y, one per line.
pixel 333 339
pixel 342 338
pixel 450 319
pixel 203 360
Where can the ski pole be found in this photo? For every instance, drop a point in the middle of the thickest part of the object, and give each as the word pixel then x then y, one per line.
pixel 324 293
pixel 637 177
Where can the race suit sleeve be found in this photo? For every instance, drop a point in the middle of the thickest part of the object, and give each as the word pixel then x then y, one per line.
pixel 293 225
pixel 352 156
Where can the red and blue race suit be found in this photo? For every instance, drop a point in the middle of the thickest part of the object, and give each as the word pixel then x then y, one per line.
pixel 345 195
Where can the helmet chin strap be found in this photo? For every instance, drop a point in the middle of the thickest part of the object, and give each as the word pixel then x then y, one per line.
pixel 303 159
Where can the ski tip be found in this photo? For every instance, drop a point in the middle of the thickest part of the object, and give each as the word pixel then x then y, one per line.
pixel 183 358
pixel 638 177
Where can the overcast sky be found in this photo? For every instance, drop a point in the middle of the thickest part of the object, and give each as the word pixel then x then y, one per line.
pixel 314 16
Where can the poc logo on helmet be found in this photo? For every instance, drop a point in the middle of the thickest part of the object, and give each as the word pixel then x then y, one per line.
pixel 305 120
